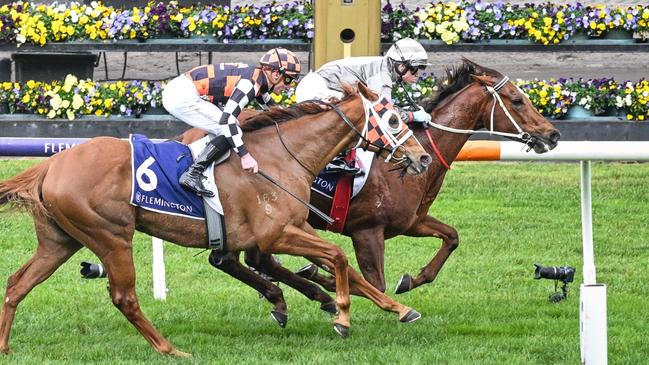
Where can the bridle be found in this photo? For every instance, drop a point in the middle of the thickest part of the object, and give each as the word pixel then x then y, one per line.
pixel 363 142
pixel 396 142
pixel 521 136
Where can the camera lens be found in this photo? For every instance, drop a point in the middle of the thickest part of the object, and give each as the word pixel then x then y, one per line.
pixel 91 270
pixel 563 273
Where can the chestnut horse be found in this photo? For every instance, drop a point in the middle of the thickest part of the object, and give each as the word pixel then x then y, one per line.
pixel 472 98
pixel 80 197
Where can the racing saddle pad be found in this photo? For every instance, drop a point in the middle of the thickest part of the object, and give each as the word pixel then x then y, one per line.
pixel 156 169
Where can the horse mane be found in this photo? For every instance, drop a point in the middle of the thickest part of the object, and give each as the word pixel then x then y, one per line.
pixel 280 114
pixel 457 78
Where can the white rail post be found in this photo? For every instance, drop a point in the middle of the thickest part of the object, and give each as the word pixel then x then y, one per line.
pixel 592 297
pixel 159 280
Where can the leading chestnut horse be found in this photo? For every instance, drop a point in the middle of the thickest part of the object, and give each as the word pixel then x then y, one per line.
pixel 472 98
pixel 80 197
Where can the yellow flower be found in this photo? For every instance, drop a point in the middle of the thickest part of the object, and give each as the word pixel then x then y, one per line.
pixel 26 98
pixel 51 114
pixel 55 102
pixel 70 114
pixel 77 101
pixel 70 80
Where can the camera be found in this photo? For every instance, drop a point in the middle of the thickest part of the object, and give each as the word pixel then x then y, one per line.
pixel 565 274
pixel 91 270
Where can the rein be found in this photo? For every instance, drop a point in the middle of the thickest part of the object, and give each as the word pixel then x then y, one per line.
pixel 414 106
pixel 311 207
pixel 521 136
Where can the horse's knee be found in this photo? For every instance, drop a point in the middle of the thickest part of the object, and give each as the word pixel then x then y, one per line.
pixel 339 258
pixel 452 240
pixel 125 302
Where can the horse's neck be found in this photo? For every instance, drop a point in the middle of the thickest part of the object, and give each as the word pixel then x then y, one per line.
pixel 313 139
pixel 460 112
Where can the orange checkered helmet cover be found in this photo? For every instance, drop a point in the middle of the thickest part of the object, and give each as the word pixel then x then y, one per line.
pixel 281 59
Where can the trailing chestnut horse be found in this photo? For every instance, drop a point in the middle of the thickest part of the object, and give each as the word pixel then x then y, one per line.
pixel 473 97
pixel 80 197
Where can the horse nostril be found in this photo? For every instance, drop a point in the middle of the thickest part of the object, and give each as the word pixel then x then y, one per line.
pixel 554 136
pixel 425 160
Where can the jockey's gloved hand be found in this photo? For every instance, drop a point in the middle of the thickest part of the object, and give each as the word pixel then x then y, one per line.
pixel 421 116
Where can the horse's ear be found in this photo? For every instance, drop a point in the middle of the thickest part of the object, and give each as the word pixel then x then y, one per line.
pixel 366 91
pixel 478 69
pixel 483 80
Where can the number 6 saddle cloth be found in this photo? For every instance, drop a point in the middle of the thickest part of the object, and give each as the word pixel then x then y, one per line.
pixel 156 168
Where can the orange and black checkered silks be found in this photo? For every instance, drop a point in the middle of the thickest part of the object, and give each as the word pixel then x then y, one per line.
pixel 374 132
pixel 217 81
pixel 281 58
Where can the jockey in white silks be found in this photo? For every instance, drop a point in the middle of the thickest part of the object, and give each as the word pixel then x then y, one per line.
pixel 401 63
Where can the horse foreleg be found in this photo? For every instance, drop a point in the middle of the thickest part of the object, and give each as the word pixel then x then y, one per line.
pixel 430 227
pixel 267 264
pixel 55 247
pixel 297 242
pixel 228 262
pixel 361 287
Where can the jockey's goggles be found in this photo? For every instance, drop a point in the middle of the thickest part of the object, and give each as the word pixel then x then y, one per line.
pixel 415 69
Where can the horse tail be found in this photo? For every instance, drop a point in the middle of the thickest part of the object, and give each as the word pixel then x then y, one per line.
pixel 23 191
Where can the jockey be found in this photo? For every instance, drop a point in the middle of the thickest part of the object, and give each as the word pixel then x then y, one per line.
pixel 401 63
pixel 194 97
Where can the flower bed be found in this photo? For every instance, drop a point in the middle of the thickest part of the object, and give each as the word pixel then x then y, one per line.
pixel 546 23
pixel 72 97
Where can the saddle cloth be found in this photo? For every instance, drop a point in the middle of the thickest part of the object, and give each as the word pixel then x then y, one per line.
pixel 156 168
pixel 325 184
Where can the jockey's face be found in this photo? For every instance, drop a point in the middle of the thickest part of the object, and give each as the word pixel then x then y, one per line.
pixel 280 82
pixel 409 77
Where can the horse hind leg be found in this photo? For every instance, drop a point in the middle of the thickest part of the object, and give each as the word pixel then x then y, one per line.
pixel 121 278
pixel 55 247
pixel 430 227
pixel 266 263
pixel 228 262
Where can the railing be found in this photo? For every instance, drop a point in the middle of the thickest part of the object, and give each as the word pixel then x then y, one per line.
pixel 212 45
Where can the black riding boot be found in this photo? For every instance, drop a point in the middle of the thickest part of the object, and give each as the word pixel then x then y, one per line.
pixel 192 179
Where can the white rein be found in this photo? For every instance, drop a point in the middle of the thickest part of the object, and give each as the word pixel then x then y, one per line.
pixel 523 136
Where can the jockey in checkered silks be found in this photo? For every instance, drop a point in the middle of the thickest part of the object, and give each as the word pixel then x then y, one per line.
pixel 401 63
pixel 194 96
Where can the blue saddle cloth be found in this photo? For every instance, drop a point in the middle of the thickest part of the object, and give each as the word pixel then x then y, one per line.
pixel 156 169
pixel 325 184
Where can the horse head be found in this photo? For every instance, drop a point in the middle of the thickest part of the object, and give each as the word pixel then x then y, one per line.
pixel 508 112
pixel 387 135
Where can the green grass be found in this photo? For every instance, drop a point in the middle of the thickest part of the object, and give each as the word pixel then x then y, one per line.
pixel 484 307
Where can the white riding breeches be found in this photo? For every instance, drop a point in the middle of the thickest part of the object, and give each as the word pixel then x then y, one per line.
pixel 181 99
pixel 313 86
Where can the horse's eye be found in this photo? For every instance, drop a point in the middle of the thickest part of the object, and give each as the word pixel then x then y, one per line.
pixel 393 122
pixel 517 101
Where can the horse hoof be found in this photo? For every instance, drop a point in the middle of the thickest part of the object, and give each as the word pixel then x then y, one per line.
pixel 411 316
pixel 280 318
pixel 180 353
pixel 308 271
pixel 330 307
pixel 341 330
pixel 404 284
